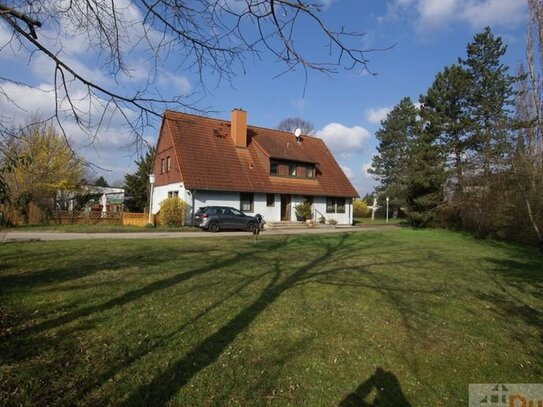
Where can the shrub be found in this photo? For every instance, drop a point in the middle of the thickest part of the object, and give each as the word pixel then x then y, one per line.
pixel 322 220
pixel 360 209
pixel 332 222
pixel 303 210
pixel 173 211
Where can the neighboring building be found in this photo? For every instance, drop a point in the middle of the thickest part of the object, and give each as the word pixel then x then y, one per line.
pixel 208 161
pixel 88 197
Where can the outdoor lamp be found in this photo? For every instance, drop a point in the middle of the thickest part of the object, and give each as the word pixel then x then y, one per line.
pixel 152 182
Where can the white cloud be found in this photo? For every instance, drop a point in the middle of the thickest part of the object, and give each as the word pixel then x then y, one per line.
pixel 178 82
pixel 343 139
pixel 375 116
pixel 112 148
pixel 435 14
pixel 18 101
pixel 494 12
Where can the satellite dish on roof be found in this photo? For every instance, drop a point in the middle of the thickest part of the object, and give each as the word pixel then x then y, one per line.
pixel 298 132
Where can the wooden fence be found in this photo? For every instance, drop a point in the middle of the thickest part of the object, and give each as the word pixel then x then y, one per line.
pixel 86 218
pixel 37 217
pixel 135 219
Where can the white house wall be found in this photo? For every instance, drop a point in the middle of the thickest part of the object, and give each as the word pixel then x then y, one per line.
pixel 270 213
pixel 210 198
pixel 161 193
pixel 319 209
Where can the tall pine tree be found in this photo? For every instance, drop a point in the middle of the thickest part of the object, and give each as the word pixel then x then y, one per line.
pixel 390 165
pixel 444 109
pixel 490 123
pixel 425 179
pixel 489 100
pixel 136 185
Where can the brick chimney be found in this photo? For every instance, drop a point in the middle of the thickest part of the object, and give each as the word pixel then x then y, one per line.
pixel 238 129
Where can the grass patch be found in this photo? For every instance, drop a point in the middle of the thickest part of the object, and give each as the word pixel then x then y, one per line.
pixel 410 317
pixel 378 221
pixel 99 228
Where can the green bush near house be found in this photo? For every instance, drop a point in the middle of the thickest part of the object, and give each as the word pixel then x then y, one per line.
pixel 303 210
pixel 173 211
pixel 360 209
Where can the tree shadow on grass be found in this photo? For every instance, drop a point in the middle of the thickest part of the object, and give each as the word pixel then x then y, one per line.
pixel 29 338
pixel 133 295
pixel 166 384
pixel 382 389
pixel 159 342
pixel 86 266
pixel 519 284
pixel 515 292
pixel 159 390
pixel 19 344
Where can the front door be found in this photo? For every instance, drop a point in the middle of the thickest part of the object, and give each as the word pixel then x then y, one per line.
pixel 285 207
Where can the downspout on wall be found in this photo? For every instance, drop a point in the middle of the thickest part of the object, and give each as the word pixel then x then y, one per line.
pixel 192 194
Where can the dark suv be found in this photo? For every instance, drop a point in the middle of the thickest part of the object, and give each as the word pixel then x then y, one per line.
pixel 215 218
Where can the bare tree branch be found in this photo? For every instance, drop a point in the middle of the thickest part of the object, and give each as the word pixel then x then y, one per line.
pixel 210 39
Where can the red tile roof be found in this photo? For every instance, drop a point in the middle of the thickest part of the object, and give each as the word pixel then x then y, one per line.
pixel 209 160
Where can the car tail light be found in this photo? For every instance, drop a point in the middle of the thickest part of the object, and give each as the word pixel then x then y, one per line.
pixel 204 215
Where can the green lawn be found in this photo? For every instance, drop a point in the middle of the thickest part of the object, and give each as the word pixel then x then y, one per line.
pixel 379 221
pixel 409 317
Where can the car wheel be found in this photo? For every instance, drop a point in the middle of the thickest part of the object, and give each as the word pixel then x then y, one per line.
pixel 213 227
pixel 250 227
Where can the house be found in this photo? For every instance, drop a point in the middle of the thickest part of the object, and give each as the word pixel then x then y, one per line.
pixel 207 161
pixel 88 197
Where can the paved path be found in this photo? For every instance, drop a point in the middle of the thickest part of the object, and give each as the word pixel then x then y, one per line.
pixel 9 236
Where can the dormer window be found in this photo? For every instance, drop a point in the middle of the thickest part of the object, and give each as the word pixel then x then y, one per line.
pixel 274 168
pixel 292 169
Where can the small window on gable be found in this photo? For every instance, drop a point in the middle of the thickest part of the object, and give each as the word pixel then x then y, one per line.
pixel 246 201
pixel 162 166
pixel 168 164
pixel 270 199
pixel 274 168
pixel 292 167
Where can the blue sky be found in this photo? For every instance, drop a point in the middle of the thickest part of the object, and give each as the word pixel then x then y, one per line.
pixel 345 108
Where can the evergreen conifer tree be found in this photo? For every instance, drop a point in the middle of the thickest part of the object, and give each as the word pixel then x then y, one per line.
pixel 401 126
pixel 137 184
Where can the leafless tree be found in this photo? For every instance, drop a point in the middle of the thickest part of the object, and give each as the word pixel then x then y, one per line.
pixel 208 38
pixel 290 124
pixel 527 160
